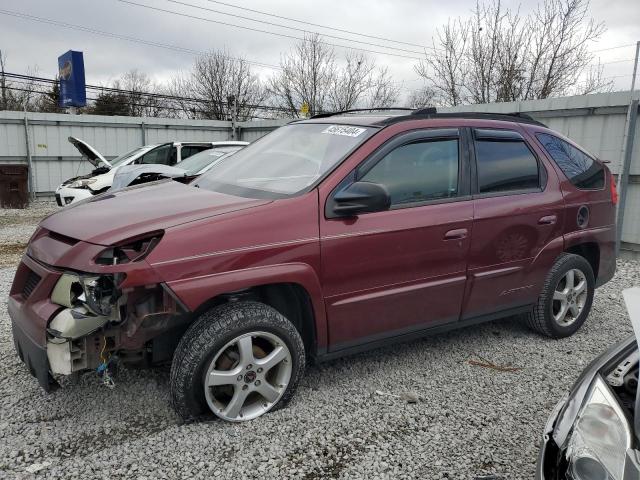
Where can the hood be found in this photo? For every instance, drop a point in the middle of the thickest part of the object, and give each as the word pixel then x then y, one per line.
pixel 112 217
pixel 632 300
pixel 127 174
pixel 87 151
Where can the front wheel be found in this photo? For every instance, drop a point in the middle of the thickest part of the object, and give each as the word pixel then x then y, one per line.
pixel 238 361
pixel 566 298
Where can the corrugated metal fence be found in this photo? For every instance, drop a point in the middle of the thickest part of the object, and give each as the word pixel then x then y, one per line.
pixel 596 122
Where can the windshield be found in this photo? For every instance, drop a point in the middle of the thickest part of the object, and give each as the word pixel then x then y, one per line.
pixel 197 162
pixel 116 162
pixel 284 162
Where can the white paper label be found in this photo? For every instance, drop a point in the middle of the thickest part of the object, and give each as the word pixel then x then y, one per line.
pixel 345 130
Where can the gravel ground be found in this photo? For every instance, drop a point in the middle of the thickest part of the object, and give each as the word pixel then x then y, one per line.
pixel 17 225
pixel 469 421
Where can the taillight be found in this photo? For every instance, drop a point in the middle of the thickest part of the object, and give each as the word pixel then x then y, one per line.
pixel 614 189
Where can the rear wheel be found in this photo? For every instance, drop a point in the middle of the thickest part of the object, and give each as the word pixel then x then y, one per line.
pixel 566 298
pixel 238 361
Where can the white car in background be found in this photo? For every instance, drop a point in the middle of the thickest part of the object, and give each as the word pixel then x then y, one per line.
pixel 101 178
pixel 185 171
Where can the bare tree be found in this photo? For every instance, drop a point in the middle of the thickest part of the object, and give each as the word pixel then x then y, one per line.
pixel 3 83
pixel 561 33
pixel 383 92
pixel 311 74
pixel 305 78
pixel 142 95
pixel 445 67
pixel 17 94
pixel 425 96
pixel 349 84
pixel 500 55
pixel 178 88
pixel 215 77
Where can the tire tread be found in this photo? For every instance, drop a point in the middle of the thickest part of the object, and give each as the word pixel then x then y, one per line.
pixel 222 322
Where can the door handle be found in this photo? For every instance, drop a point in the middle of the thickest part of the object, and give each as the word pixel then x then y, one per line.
pixel 458 234
pixel 548 220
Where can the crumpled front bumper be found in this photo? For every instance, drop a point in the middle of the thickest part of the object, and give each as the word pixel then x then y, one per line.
pixel 30 308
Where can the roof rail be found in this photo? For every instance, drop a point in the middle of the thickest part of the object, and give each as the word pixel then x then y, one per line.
pixel 432 112
pixel 354 110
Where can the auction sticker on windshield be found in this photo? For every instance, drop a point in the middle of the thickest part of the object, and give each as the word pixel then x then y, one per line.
pixel 344 130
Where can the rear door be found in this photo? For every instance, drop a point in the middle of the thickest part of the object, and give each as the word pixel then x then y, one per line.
pixel 404 269
pixel 517 227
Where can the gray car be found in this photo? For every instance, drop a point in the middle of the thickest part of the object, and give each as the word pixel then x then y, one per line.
pixel 594 432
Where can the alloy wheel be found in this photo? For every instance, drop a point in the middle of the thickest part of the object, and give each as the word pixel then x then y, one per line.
pixel 248 376
pixel 569 297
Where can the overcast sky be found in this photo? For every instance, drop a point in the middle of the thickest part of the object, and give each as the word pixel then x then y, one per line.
pixel 29 43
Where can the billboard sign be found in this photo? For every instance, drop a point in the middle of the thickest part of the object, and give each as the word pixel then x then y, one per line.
pixel 72 86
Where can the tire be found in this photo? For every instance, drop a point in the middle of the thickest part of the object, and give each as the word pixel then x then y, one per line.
pixel 219 339
pixel 544 317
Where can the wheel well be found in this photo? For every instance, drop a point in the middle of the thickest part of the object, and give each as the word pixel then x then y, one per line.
pixel 290 299
pixel 591 252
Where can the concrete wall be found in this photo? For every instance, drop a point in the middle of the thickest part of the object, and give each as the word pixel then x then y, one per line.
pixel 597 122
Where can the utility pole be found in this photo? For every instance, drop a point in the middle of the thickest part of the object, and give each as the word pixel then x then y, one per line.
pixel 627 152
pixel 232 101
pixel 3 85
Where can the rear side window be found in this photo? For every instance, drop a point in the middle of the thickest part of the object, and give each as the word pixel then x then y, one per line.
pixel 418 172
pixel 505 166
pixel 581 170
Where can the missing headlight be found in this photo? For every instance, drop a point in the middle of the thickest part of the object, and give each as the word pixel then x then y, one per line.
pixel 132 250
pixel 98 293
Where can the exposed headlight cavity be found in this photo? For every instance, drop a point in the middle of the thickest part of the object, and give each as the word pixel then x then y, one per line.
pixel 98 293
pixel 132 250
pixel 600 438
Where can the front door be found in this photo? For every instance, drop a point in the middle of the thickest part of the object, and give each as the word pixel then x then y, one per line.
pixel 401 270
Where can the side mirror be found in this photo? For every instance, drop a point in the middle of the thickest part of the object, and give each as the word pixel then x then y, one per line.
pixel 361 197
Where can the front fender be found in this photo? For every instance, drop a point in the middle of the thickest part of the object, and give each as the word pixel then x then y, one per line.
pixel 194 292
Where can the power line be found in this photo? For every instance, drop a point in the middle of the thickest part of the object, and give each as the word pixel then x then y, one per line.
pixel 145 94
pixel 178 2
pixel 130 103
pixel 72 26
pixel 613 48
pixel 195 17
pixel 318 25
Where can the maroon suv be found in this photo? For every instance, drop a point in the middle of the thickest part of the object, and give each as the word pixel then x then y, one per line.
pixel 328 236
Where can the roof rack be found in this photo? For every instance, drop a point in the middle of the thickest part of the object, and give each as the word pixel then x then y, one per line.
pixel 355 110
pixel 432 112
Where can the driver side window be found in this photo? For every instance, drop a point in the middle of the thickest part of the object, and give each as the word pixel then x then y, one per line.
pixel 418 172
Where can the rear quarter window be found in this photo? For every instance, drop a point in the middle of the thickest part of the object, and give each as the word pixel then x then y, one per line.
pixel 581 169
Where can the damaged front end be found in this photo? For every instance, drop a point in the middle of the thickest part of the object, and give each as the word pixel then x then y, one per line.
pixel 119 311
pixel 594 433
